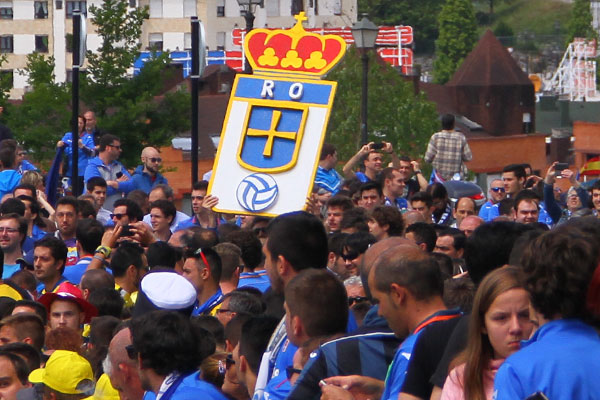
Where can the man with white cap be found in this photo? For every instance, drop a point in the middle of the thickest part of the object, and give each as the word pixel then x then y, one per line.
pixel 66 375
pixel 165 290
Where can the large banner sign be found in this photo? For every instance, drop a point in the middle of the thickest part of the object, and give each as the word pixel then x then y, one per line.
pixel 276 122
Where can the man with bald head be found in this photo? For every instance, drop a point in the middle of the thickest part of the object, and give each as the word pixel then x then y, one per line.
pixel 412 216
pixel 146 176
pixel 123 372
pixel 408 285
pixel 469 224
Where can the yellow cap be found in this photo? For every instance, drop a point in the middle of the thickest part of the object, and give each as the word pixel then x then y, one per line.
pixel 104 390
pixel 66 372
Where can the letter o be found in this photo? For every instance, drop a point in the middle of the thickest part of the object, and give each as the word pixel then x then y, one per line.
pixel 296 91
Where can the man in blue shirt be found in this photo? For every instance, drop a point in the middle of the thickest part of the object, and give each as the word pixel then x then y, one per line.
pixel 146 176
pixel 202 268
pixel 167 348
pixel 203 215
pixel 327 177
pixel 13 230
pixel 496 193
pixel 408 286
pixel 106 166
pixel 393 184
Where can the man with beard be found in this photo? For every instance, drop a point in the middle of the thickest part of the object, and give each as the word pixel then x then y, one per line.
pixel 146 176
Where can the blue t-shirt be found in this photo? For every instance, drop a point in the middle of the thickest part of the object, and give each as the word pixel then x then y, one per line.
pixel 9 270
pixel 75 272
pixel 561 360
pixel 257 279
pixel 328 179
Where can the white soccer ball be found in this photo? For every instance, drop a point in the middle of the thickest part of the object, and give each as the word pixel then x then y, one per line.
pixel 257 192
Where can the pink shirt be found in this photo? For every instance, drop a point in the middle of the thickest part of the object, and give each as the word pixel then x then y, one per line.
pixel 453 387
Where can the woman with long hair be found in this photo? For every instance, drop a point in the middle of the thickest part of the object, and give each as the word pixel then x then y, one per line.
pixel 499 321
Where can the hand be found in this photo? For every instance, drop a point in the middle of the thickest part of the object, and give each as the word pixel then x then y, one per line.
pixel 80 143
pixel 142 233
pixel 415 165
pixel 388 148
pixel 360 387
pixel 549 179
pixel 210 201
pixel 312 206
pixel 41 196
pixel 109 239
pixel 113 184
pixel 60 143
pixel 366 149
pixel 123 178
pixel 330 392
pixel 570 175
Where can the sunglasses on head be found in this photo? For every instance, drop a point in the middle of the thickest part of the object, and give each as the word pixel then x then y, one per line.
pixel 356 299
pixel 132 353
pixel 203 257
pixel 498 189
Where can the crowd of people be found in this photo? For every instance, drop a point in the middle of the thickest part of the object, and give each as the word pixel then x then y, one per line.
pixel 384 288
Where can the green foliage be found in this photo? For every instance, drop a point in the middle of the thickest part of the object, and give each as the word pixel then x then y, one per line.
pixel 458 35
pixel 420 14
pixel 580 23
pixel 130 107
pixel 43 117
pixel 396 114
pixel 5 82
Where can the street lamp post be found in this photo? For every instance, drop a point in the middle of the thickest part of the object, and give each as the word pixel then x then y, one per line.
pixel 364 33
pixel 247 8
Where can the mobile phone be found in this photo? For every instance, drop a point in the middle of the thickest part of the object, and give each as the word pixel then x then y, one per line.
pixel 119 174
pixel 126 231
pixel 377 146
pixel 559 167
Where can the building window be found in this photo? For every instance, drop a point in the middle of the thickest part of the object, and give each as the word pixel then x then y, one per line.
pixel 6 10
pixel 155 41
pixel 133 3
pixel 69 42
pixel 7 75
pixel 189 8
pixel 221 40
pixel 297 6
pixel 187 41
pixel 40 9
pixel 41 43
pixel 6 44
pixel 156 7
pixel 76 5
pixel 220 8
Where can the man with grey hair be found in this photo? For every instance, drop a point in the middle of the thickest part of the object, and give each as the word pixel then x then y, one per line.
pixel 165 192
pixel 238 303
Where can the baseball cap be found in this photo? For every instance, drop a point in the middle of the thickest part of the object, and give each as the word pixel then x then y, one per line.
pixel 66 372
pixel 68 291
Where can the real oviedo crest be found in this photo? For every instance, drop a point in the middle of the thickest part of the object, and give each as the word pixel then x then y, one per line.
pixel 276 122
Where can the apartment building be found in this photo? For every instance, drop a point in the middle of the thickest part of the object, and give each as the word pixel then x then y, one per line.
pixel 46 26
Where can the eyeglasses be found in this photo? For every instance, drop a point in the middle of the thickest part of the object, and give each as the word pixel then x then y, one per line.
pixel 8 230
pixel 117 216
pixel 350 255
pixel 223 310
pixel 22 154
pixel 356 299
pixel 115 146
pixel 132 353
pixel 203 257
pixel 155 159
pixel 498 189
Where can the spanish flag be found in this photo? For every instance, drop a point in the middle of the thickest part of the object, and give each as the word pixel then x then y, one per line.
pixel 591 167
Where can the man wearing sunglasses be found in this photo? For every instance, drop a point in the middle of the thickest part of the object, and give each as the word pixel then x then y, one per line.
pixel 106 166
pixel 146 176
pixel 496 194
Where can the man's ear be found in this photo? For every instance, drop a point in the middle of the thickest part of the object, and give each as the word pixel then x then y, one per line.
pixel 398 294
pixel 228 346
pixel 27 340
pixel 243 367
pixel 297 326
pixel 331 258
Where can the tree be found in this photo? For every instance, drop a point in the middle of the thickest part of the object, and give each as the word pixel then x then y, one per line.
pixel 580 23
pixel 420 14
pixel 396 114
pixel 458 35
pixel 132 108
pixel 44 115
pixel 5 82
